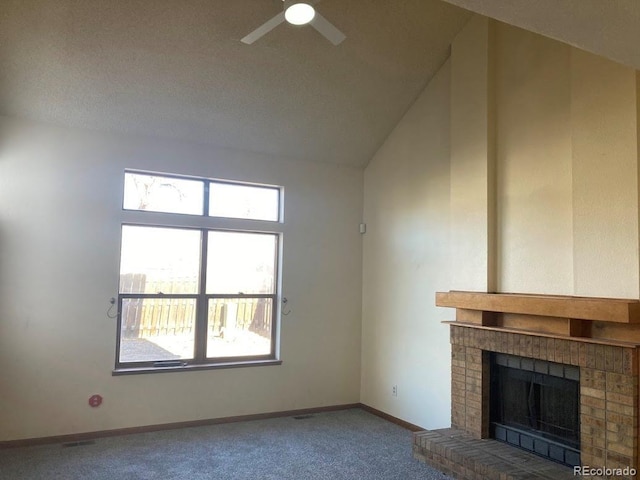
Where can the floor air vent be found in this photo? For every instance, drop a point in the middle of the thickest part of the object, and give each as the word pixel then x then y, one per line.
pixel 78 444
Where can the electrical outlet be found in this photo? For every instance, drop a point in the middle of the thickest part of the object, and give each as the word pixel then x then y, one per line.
pixel 394 391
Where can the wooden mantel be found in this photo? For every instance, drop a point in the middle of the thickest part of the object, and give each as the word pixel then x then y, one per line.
pixel 582 308
pixel 598 318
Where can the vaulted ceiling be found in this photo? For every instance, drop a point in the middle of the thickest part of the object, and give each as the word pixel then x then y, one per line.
pixel 178 69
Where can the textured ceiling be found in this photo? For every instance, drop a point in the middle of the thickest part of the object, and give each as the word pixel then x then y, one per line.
pixel 177 68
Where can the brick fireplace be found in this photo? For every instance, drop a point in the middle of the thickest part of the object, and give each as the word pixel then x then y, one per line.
pixel 598 336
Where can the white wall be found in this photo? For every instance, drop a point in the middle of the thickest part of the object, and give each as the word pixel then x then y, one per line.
pixel 604 139
pixel 406 259
pixel 533 85
pixel 60 215
pixel 472 159
pixel 567 169
pixel 544 152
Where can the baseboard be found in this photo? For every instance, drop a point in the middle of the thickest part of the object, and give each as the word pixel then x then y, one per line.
pixel 391 418
pixel 80 437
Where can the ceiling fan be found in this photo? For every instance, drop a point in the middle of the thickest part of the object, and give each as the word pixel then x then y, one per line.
pixel 298 12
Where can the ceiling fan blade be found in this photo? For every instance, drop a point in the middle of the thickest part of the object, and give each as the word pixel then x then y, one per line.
pixel 327 29
pixel 263 29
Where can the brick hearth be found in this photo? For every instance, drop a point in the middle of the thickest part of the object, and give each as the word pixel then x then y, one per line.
pixel 459 454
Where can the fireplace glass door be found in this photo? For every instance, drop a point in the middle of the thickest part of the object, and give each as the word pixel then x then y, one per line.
pixel 535 405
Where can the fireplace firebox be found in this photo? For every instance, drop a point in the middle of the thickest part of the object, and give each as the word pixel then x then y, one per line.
pixel 535 405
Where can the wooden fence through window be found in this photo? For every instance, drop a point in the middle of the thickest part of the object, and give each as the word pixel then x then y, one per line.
pixel 151 317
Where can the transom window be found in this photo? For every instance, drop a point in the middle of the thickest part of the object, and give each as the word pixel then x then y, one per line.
pixel 197 294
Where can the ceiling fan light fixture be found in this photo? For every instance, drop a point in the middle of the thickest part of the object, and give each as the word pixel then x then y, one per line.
pixel 299 13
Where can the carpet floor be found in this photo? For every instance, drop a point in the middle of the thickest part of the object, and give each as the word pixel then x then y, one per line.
pixel 342 445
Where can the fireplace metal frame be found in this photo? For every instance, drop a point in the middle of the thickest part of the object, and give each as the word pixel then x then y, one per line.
pixel 542 373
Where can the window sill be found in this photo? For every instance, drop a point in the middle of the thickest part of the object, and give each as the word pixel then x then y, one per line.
pixel 193 368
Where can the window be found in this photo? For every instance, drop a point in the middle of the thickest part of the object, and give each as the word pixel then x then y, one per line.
pixel 195 289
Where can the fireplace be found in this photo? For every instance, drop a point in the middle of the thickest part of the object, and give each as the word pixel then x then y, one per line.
pixel 555 376
pixel 535 405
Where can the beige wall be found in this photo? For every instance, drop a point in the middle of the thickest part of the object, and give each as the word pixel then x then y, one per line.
pixel 543 153
pixel 555 128
pixel 406 259
pixel 605 177
pixel 60 215
pixel 473 159
pixel 533 147
pixel 567 172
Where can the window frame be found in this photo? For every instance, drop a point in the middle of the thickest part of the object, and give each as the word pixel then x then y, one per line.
pixel 206 196
pixel 204 223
